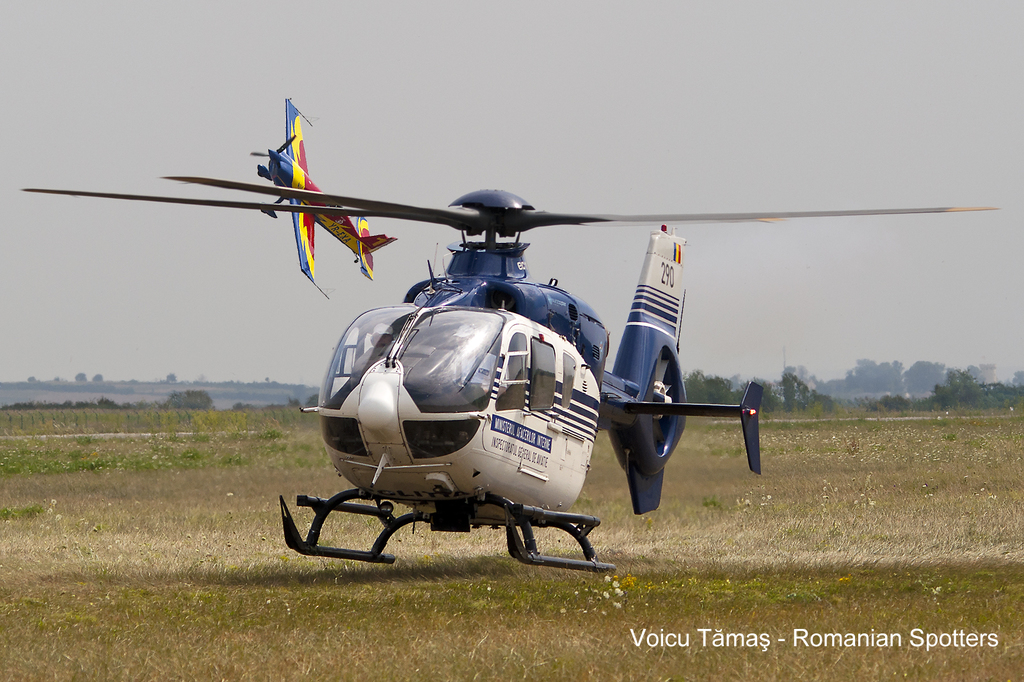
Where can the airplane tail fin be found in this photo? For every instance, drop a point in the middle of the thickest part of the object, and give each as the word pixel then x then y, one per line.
pixel 295 148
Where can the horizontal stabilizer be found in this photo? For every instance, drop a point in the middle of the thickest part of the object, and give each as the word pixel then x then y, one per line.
pixel 375 241
pixel 747 411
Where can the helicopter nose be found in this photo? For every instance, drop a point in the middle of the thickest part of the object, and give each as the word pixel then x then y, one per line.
pixel 378 405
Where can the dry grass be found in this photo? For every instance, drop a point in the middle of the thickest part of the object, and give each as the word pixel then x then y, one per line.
pixel 841 493
pixel 179 571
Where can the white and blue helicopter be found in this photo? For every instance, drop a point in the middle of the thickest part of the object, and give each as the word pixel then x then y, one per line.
pixel 477 400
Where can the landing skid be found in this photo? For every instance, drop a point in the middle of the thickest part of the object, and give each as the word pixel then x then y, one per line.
pixel 456 516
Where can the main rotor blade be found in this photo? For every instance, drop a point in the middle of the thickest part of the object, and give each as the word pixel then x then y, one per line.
pixel 529 219
pixel 460 218
pixel 521 220
pixel 280 208
pixel 473 221
pixel 285 208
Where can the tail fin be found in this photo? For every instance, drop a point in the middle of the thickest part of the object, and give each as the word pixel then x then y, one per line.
pixel 304 223
pixel 648 363
pixel 293 133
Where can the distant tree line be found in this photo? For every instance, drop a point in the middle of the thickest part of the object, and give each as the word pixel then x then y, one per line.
pixel 177 400
pixel 789 394
pixel 292 402
pixel 953 389
pixel 189 400
pixel 98 404
pixel 877 379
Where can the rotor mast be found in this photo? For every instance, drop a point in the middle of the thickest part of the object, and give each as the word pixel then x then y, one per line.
pixel 493 205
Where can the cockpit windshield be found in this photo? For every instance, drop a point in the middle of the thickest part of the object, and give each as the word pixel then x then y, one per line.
pixel 449 359
pixel 366 341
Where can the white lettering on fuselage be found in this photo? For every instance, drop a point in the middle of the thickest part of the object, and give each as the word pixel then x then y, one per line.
pixel 521 433
pixel 527 455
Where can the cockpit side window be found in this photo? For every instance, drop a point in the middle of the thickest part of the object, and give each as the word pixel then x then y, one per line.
pixel 568 378
pixel 366 341
pixel 542 375
pixel 513 377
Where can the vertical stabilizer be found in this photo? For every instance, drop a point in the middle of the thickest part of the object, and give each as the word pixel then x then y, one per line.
pixel 658 297
pixel 648 362
pixel 296 149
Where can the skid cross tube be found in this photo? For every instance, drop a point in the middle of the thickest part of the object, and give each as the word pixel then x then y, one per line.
pixel 310 545
pixel 524 548
pixel 520 520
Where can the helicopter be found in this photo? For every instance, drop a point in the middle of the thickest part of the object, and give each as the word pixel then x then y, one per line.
pixel 476 401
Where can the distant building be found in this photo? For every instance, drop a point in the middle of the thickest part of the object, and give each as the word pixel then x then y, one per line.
pixel 988 374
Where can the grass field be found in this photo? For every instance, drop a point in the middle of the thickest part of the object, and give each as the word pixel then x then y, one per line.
pixel 161 557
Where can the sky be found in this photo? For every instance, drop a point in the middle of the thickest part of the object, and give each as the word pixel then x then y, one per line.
pixel 599 107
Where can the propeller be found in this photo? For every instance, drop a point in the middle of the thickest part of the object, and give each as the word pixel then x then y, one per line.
pixel 279 149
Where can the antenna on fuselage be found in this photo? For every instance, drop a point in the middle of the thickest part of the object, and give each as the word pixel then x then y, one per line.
pixel 679 326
